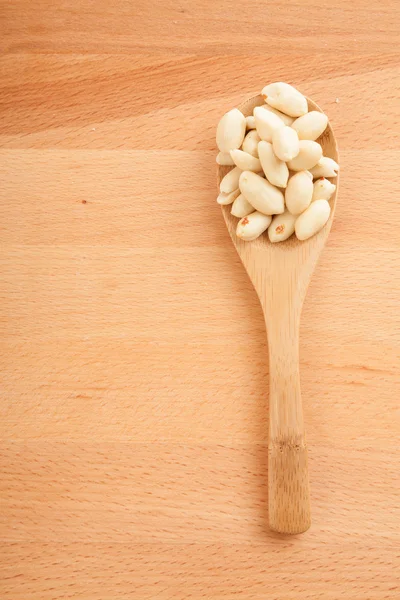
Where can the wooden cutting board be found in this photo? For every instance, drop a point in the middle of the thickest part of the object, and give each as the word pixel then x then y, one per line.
pixel 134 393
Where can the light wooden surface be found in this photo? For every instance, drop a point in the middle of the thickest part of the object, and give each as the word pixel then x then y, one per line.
pixel 134 392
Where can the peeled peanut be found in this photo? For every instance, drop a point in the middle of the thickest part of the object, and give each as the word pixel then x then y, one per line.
pixel 265 197
pixel 311 125
pixel 224 159
pixel 230 182
pixel 312 220
pixel 231 130
pixel 275 170
pixel 285 143
pixel 308 156
pixel 252 226
pixel 241 207
pixel 245 161
pixel 285 98
pixel 282 227
pixel 250 123
pixel 250 143
pixel 225 199
pixel 326 167
pixel 285 118
pixel 299 192
pixel 266 123
pixel 323 189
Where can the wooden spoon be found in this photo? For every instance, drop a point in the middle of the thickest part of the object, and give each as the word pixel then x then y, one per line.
pixel 281 273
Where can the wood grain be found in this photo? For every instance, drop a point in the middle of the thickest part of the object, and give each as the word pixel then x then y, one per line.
pixel 134 370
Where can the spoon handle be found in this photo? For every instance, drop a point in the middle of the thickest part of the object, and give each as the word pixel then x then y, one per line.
pixel 289 499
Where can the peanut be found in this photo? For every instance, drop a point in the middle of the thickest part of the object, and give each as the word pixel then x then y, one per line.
pixel 265 197
pixel 323 189
pixel 245 161
pixel 285 118
pixel 230 182
pixel 241 207
pixel 312 220
pixel 311 125
pixel 326 167
pixel 308 156
pixel 250 143
pixel 224 159
pixel 231 130
pixel 250 122
pixel 285 143
pixel 275 170
pixel 299 192
pixel 285 98
pixel 225 199
pixel 266 123
pixel 282 227
pixel 252 226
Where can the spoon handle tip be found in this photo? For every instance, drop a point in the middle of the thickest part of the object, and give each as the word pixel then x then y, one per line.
pixel 289 501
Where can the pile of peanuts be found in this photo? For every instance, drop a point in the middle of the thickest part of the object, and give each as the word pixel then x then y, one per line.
pixel 279 180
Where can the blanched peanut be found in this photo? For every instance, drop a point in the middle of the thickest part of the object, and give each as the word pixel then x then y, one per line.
pixel 230 182
pixel 285 143
pixel 266 123
pixel 245 161
pixel 308 156
pixel 231 130
pixel 311 125
pixel 326 167
pixel 224 159
pixel 251 227
pixel 285 98
pixel 250 143
pixel 250 122
pixel 285 118
pixel 279 177
pixel 275 170
pixel 323 189
pixel 299 192
pixel 282 227
pixel 265 197
pixel 312 220
pixel 225 199
pixel 241 207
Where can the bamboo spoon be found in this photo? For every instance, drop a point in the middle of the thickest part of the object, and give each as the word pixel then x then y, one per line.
pixel 281 273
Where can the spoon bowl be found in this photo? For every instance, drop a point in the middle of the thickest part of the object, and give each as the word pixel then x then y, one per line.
pixel 281 273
